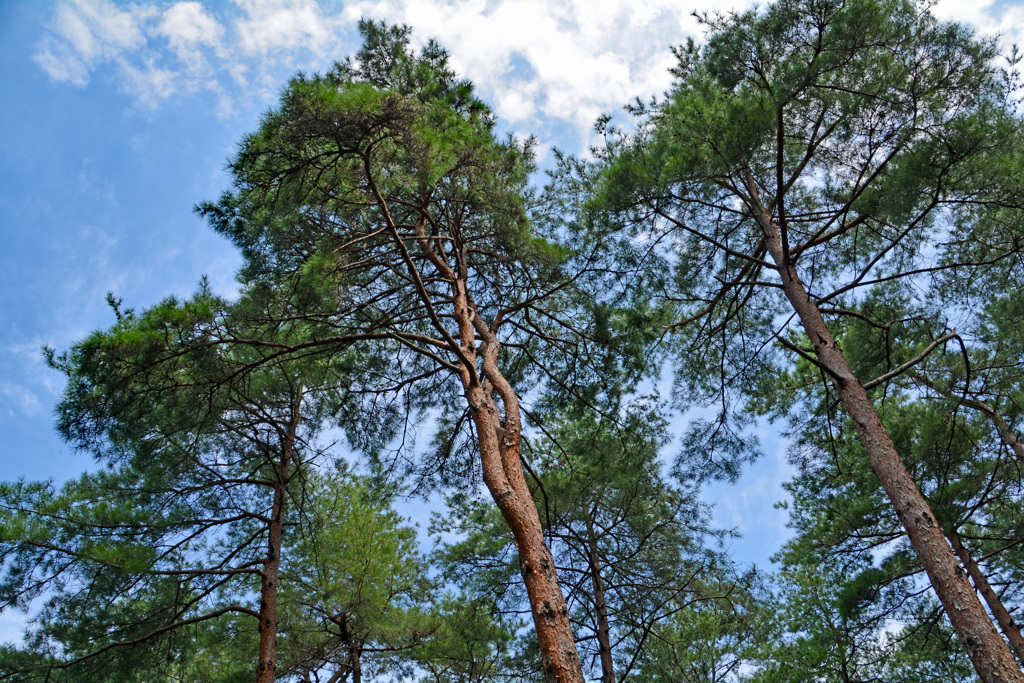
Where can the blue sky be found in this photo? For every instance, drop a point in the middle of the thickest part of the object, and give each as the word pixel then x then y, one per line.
pixel 116 118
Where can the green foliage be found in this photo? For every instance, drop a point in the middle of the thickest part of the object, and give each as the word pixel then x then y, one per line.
pixel 470 643
pixel 850 553
pixel 608 511
pixel 372 198
pixel 354 585
pixel 815 641
pixel 374 205
pixel 713 636
pixel 139 564
pixel 864 148
pixel 876 136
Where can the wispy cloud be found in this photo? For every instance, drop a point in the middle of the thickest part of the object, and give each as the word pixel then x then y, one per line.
pixel 29 386
pixel 189 28
pixel 581 59
pixel 85 35
pixel 576 60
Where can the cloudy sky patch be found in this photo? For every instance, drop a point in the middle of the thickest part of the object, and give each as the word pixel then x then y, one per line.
pixel 584 58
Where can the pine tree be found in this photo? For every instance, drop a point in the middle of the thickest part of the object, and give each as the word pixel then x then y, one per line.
pixel 380 190
pixel 809 151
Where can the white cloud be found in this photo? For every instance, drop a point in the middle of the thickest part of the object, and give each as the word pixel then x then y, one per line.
pixel 85 37
pixel 582 58
pixel 147 82
pixel 61 63
pixel 86 34
pixel 187 28
pixel 1003 19
pixel 585 58
pixel 285 25
pixel 13 626
pixel 100 29
pixel 517 102
pixel 187 24
pixel 20 399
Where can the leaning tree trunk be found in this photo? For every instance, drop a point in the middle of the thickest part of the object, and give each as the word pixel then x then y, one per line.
pixel 503 475
pixel 499 442
pixel 987 650
pixel 604 639
pixel 1003 617
pixel 266 668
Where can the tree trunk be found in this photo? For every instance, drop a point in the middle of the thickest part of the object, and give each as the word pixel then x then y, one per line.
pixel 357 662
pixel 266 668
pixel 987 650
pixel 504 478
pixel 499 443
pixel 604 641
pixel 354 661
pixel 1003 617
pixel 503 475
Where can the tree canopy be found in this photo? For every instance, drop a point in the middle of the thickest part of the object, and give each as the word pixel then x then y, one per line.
pixel 820 223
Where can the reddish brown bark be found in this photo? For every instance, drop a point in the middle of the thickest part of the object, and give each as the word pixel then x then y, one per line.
pixel 988 652
pixel 604 641
pixel 266 668
pixel 503 474
pixel 995 605
pixel 484 385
